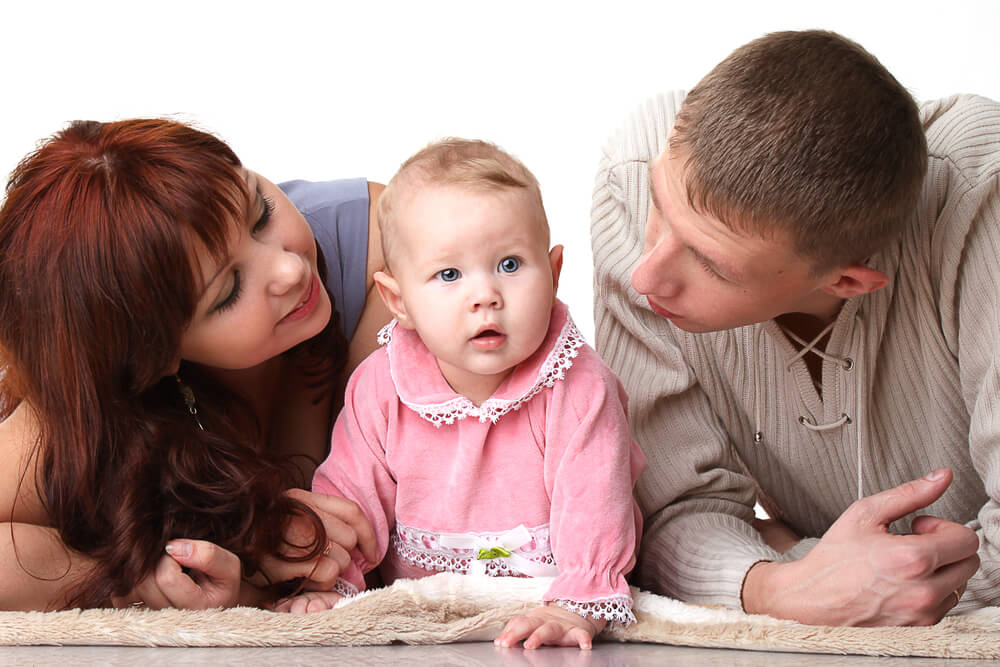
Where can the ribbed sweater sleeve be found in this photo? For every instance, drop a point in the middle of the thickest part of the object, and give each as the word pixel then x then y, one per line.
pixel 697 503
pixel 966 141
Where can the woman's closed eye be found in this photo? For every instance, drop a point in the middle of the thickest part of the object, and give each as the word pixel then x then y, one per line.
pixel 267 212
pixel 233 296
pixel 448 275
pixel 265 216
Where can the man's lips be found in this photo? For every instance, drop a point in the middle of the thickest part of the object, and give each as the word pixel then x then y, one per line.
pixel 308 303
pixel 662 312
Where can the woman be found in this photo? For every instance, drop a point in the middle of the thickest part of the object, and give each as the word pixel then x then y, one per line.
pixel 173 367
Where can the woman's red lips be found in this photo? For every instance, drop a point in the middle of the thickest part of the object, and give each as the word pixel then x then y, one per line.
pixel 308 304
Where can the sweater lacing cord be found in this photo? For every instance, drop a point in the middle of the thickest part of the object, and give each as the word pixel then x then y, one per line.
pixel 846 363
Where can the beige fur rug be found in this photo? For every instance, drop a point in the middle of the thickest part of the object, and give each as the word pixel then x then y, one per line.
pixel 453 608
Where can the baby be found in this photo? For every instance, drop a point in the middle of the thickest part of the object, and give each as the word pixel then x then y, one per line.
pixel 485 436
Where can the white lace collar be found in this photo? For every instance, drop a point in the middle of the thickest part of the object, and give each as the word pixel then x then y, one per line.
pixel 423 389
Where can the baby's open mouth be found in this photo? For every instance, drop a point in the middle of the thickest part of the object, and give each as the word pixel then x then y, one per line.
pixel 488 333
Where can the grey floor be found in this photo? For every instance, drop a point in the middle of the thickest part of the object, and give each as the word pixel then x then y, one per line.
pixel 638 655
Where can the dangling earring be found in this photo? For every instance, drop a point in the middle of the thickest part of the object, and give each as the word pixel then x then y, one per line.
pixel 188 396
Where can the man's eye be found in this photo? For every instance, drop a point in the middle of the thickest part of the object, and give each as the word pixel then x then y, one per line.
pixel 449 275
pixel 509 264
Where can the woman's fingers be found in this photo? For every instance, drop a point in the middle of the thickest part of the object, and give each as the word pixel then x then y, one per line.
pixel 321 572
pixel 343 520
pixel 214 580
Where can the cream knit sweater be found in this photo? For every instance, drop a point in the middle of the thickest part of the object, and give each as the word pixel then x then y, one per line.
pixel 914 366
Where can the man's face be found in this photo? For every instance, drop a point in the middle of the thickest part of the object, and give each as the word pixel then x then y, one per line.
pixel 704 276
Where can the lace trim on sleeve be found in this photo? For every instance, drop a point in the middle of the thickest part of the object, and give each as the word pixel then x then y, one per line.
pixel 345 588
pixel 617 609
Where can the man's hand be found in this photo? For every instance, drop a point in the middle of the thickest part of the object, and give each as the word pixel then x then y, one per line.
pixel 551 625
pixel 860 574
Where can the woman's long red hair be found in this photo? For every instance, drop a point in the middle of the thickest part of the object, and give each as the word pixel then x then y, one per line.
pixel 96 288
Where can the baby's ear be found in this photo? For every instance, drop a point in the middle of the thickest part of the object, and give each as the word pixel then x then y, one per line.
pixel 555 262
pixel 388 289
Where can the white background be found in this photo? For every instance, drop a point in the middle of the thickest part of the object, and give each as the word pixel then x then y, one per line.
pixel 321 90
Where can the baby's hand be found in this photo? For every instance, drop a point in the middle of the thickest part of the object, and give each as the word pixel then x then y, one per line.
pixel 308 602
pixel 551 625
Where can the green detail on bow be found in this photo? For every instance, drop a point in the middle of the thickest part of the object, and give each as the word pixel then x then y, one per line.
pixel 494 552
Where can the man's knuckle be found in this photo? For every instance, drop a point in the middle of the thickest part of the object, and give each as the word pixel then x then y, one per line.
pixel 912 563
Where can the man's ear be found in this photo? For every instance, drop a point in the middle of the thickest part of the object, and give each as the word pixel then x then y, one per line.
pixel 555 262
pixel 388 289
pixel 855 280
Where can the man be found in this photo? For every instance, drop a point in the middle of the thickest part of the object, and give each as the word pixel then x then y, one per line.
pixel 798 290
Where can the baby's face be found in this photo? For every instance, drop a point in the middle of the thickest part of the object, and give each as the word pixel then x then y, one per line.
pixel 476 279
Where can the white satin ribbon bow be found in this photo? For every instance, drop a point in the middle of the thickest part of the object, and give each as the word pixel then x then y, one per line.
pixel 487 547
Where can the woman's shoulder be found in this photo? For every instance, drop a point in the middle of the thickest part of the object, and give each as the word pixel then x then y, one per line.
pixel 311 197
pixel 20 449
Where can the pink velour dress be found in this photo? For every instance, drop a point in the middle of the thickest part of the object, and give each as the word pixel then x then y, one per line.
pixel 536 481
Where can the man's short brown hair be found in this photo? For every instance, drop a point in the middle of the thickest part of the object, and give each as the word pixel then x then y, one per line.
pixel 474 164
pixel 804 134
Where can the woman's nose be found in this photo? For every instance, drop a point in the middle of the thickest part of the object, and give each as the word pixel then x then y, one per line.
pixel 288 271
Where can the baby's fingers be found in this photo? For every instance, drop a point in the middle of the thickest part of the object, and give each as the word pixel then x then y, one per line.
pixel 308 603
pixel 557 634
pixel 517 629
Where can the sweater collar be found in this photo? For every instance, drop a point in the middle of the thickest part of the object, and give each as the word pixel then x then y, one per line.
pixel 422 388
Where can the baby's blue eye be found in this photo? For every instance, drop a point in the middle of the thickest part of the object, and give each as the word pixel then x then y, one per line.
pixel 509 264
pixel 449 275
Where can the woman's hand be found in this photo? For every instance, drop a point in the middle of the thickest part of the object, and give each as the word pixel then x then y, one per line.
pixel 346 528
pixel 212 580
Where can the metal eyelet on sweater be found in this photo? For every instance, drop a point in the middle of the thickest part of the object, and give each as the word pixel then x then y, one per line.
pixel 848 364
pixel 802 420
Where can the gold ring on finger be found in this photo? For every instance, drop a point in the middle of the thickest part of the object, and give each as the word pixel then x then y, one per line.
pixel 329 548
pixel 958 595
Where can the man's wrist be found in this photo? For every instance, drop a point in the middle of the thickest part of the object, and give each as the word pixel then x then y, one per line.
pixel 756 584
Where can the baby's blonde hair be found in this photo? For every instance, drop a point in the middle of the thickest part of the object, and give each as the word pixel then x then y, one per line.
pixel 475 164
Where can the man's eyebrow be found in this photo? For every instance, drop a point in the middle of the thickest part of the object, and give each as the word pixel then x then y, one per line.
pixel 724 271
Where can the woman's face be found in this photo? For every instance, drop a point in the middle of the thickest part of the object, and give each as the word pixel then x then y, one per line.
pixel 266 296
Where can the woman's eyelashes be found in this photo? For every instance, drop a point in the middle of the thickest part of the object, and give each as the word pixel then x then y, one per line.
pixel 233 296
pixel 265 216
pixel 261 223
